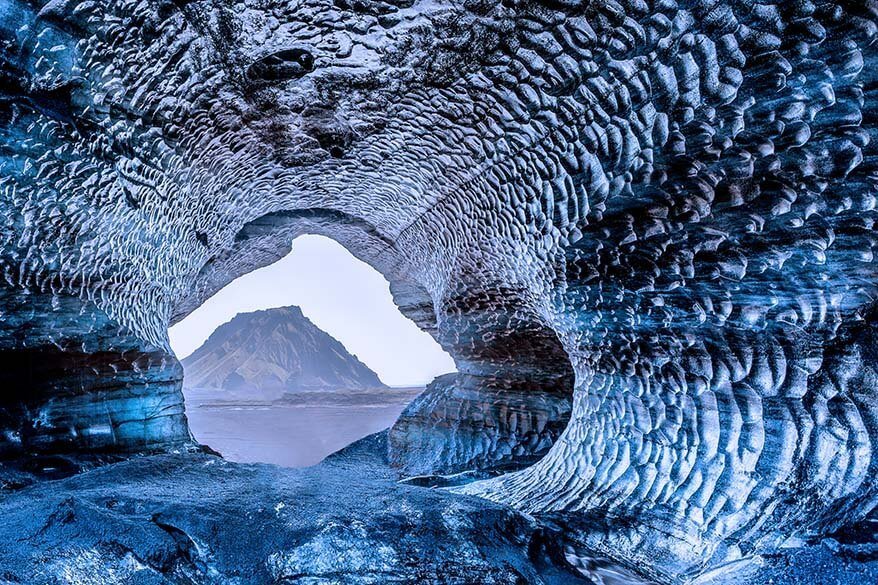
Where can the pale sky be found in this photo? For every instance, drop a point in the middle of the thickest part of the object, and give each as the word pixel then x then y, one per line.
pixel 345 297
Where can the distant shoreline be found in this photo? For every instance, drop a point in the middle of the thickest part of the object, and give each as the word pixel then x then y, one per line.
pixel 361 397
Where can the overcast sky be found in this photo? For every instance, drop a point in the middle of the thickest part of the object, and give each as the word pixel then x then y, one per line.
pixel 342 295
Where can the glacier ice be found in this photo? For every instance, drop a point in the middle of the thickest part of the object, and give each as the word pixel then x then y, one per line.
pixel 662 210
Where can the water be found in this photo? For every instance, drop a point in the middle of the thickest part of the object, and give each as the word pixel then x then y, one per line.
pixel 290 434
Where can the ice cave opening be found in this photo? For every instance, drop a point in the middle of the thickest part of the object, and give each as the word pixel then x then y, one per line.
pixel 295 360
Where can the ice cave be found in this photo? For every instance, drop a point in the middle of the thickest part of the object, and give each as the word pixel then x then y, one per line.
pixel 651 223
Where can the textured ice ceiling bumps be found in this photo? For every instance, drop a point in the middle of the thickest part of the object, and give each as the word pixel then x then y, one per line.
pixel 672 199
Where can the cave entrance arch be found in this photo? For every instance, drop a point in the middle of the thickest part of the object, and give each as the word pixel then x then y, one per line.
pixel 325 320
pixel 511 396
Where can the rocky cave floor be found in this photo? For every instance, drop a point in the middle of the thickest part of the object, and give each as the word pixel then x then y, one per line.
pixel 196 518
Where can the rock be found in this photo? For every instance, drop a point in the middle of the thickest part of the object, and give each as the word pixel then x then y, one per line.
pixel 272 352
pixel 200 519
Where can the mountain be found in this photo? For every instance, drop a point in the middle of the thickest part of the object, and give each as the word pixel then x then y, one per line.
pixel 273 352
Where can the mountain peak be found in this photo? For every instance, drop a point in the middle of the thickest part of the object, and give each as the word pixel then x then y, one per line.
pixel 275 351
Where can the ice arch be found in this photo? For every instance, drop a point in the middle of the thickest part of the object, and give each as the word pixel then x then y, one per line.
pixel 670 201
pixel 509 400
pixel 515 424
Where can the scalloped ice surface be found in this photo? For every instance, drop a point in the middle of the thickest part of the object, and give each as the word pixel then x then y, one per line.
pixel 663 209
